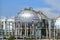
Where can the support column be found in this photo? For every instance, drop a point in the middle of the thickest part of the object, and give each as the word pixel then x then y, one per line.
pixel 30 31
pixel 54 31
pixel 16 33
pixel 49 22
pixel 46 29
pixel 33 30
pixel 18 28
pixel 25 29
pixel 46 33
pixel 9 29
pixel 21 30
pixel 5 25
pixel 27 32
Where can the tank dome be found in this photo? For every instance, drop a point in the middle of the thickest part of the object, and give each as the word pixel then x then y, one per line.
pixel 27 15
pixel 57 23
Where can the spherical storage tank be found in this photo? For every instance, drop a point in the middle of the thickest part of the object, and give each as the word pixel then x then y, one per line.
pixel 27 15
pixel 29 19
pixel 57 23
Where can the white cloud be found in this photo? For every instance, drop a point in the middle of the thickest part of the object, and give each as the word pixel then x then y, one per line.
pixel 48 12
pixel 53 11
pixel 54 3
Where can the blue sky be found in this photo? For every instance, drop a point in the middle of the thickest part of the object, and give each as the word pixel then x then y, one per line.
pixel 10 8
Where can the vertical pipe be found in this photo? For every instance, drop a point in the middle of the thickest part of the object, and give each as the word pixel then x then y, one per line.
pixel 18 28
pixel 9 28
pixel 54 33
pixel 5 27
pixel 49 22
pixel 25 29
pixel 33 30
pixel 36 32
pixel 46 29
pixel 16 33
pixel 54 29
pixel 46 33
pixel 30 31
pixel 21 29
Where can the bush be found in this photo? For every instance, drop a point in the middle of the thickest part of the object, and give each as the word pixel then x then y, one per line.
pixel 11 38
pixel 29 39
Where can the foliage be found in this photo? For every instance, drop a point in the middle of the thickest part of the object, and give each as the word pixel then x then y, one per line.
pixel 11 38
pixel 29 39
